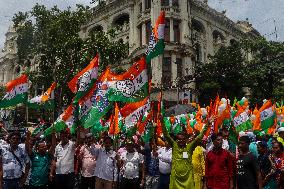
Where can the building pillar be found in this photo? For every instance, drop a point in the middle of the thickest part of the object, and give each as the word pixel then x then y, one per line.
pixel 210 41
pixel 143 5
pixel 184 26
pixel 171 30
pixel 133 34
pixel 157 71
pixel 144 34
pixel 174 69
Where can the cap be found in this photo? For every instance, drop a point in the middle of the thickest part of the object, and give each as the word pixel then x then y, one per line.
pixel 281 129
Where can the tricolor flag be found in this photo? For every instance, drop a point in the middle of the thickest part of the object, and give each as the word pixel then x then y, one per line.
pixel 65 120
pixel 131 86
pixel 95 104
pixel 114 125
pixel 267 115
pixel 242 122
pixel 45 101
pixel 84 80
pixel 156 45
pixel 133 112
pixel 16 92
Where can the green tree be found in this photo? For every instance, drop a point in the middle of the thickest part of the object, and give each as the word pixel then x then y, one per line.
pixel 223 75
pixel 51 37
pixel 265 72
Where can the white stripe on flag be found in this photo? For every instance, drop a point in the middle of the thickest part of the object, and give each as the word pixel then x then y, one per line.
pixel 161 31
pixel 265 114
pixel 19 89
pixel 242 118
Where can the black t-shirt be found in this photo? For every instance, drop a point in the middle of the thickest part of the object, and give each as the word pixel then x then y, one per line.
pixel 247 169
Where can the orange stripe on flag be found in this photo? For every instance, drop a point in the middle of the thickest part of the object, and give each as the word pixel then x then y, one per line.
pixel 47 94
pixel 160 20
pixel 67 113
pixel 114 129
pixel 73 83
pixel 131 107
pixel 21 80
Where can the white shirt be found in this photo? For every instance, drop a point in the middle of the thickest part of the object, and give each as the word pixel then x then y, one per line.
pixel 65 158
pixel 106 165
pixel 165 160
pixel 12 168
pixel 131 161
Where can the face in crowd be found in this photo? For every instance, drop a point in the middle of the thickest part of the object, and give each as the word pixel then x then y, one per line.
pixel 261 148
pixel 64 137
pixel 181 140
pixel 129 146
pixel 277 148
pixel 108 142
pixel 244 142
pixel 218 141
pixel 89 140
pixel 14 139
pixel 41 147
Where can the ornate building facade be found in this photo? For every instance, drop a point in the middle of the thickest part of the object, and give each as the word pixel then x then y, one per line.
pixel 9 66
pixel 193 31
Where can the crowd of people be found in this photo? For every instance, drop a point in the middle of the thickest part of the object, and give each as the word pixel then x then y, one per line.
pixel 179 161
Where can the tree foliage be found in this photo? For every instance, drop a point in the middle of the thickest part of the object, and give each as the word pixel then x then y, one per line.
pixel 51 37
pixel 265 72
pixel 223 75
pixel 255 64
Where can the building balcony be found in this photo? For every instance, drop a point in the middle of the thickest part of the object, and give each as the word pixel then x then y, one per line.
pixel 122 30
pixel 171 10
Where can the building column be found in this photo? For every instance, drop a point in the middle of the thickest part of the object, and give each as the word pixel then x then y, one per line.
pixel 209 39
pixel 174 69
pixel 171 30
pixel 143 5
pixel 133 34
pixel 157 66
pixel 144 34
pixel 184 27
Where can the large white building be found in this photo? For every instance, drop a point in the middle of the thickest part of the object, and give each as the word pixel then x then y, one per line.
pixel 9 64
pixel 193 31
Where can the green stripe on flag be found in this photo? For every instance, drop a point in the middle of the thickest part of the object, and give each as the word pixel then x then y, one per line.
pixel 20 98
pixel 114 95
pixel 58 126
pixel 94 116
pixel 244 126
pixel 156 51
pixel 267 123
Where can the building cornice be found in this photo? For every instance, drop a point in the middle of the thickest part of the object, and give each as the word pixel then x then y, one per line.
pixel 221 17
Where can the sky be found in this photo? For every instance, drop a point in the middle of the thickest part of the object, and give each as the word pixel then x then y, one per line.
pixel 261 13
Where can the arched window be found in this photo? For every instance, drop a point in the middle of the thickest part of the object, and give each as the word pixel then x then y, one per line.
pixel 197 26
pixel 121 20
pixel 218 37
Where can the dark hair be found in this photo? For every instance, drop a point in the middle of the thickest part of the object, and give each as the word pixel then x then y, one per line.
pixel 14 133
pixel 245 139
pixel 215 136
pixel 108 138
pixel 262 144
pixel 280 145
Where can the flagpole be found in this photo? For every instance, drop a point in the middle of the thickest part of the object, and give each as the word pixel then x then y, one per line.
pixel 27 107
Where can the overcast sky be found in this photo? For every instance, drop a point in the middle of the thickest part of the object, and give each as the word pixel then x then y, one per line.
pixel 261 13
